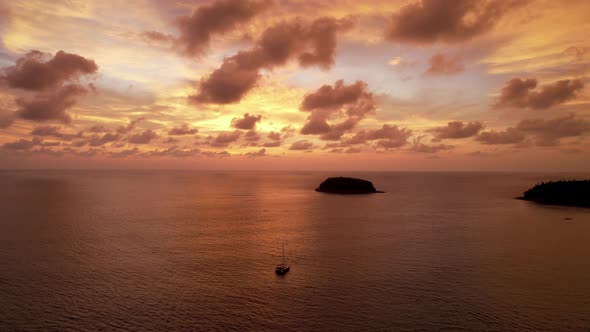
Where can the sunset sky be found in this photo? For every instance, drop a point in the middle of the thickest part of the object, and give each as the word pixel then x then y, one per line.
pixel 295 85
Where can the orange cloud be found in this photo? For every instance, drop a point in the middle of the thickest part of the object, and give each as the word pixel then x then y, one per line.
pixel 521 94
pixel 312 44
pixel 31 73
pixel 429 21
pixel 441 64
pixel 219 17
pixel 456 129
pixel 351 102
pixel 182 130
pixel 508 136
pixel 50 105
pixel 247 122
pixel 549 132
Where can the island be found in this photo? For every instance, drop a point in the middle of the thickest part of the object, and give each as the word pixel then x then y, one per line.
pixel 347 186
pixel 569 193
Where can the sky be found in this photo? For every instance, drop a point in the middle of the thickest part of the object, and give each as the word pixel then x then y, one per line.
pixel 431 85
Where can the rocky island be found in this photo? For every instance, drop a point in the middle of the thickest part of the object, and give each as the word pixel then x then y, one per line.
pixel 570 193
pixel 347 186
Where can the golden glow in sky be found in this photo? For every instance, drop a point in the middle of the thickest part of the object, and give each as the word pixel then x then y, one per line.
pixel 278 84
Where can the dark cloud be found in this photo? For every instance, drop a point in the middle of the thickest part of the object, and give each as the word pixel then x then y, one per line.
pixel 143 138
pixel 54 131
pixel 348 103
pixel 275 136
pixel 182 130
pixel 215 154
pixel 429 21
pixel 50 144
pixel 353 150
pixel 104 139
pixel 456 129
pixel 98 129
pixel 157 37
pixel 130 126
pixel 312 44
pixel 349 150
pixel 173 151
pixel 549 132
pixel 124 153
pixel 388 136
pixel 441 64
pixel 248 122
pixel 6 118
pixel 53 99
pixel 418 146
pixel 228 84
pixel 22 144
pixel 272 144
pixel 31 72
pixel 252 136
pixel 219 17
pixel 52 105
pixel 302 145
pixel 259 153
pixel 171 140
pixel 508 136
pixel 522 94
pixel 225 138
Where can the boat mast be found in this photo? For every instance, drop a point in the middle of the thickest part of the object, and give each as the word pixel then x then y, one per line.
pixel 283 252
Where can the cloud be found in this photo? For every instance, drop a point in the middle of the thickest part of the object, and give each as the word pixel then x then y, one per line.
pixel 21 145
pixel 173 151
pixel 53 131
pixel 104 139
pixel 247 122
pixel 252 136
pixel 549 132
pixel 6 118
pixel 143 138
pixel 430 21
pixel 577 52
pixel 456 129
pixel 130 126
pixel 302 145
pixel 275 136
pixel 52 105
pixel 223 139
pixel 311 44
pixel 157 37
pixel 124 153
pixel 521 94
pixel 259 153
pixel 389 136
pixel 272 144
pixel 418 146
pixel 441 64
pixel 182 130
pixel 217 18
pixel 32 73
pixel 98 129
pixel 349 103
pixel 508 136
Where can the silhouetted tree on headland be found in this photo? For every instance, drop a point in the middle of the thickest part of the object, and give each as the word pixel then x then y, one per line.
pixel 572 193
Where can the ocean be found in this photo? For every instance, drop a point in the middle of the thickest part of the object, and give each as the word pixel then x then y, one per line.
pixel 190 250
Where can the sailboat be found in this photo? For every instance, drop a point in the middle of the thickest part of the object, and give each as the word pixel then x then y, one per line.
pixel 283 267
